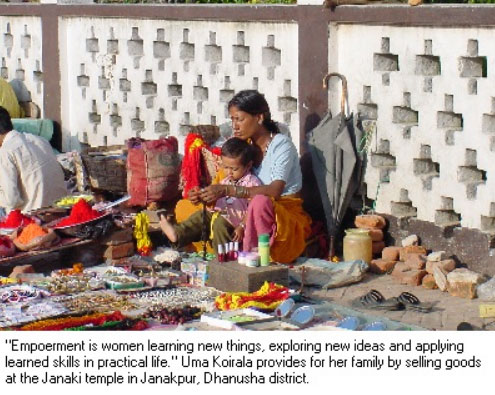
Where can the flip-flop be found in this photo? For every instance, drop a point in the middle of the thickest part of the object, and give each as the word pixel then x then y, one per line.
pixel 411 302
pixel 374 300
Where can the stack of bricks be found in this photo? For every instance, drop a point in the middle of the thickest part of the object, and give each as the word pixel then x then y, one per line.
pixel 120 244
pixel 375 225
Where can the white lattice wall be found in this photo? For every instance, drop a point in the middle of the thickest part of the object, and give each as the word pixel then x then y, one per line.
pixel 431 92
pixel 149 78
pixel 20 53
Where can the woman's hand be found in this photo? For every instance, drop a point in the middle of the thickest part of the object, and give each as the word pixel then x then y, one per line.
pixel 238 234
pixel 194 195
pixel 212 193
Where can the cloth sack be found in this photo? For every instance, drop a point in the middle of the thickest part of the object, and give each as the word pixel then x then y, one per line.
pixel 325 274
pixel 153 168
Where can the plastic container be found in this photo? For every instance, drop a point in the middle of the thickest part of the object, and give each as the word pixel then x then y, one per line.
pixel 252 259
pixel 357 245
pixel 264 249
pixel 241 257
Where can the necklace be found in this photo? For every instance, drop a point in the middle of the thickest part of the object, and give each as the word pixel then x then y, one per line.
pixel 268 145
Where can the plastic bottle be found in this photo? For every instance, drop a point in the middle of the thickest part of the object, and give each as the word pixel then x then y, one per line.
pixel 264 249
pixel 357 245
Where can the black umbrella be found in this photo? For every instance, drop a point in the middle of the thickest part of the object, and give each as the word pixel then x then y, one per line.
pixel 336 162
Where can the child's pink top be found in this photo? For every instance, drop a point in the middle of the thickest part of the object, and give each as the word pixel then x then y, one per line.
pixel 234 209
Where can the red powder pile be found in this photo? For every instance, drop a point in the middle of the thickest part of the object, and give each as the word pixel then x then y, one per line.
pixel 15 219
pixel 81 212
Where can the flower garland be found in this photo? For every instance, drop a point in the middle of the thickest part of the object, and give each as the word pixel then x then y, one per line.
pixel 268 297
pixel 58 324
pixel 143 241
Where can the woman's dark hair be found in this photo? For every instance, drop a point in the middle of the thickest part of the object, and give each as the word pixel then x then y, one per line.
pixel 5 121
pixel 254 103
pixel 235 148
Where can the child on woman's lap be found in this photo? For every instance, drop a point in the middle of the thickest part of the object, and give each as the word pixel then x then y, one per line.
pixel 226 218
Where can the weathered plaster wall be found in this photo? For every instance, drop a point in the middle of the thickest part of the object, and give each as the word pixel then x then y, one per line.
pixel 429 90
pixel 20 53
pixel 149 78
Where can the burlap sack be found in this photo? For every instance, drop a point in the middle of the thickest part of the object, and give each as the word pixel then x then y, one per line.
pixel 153 168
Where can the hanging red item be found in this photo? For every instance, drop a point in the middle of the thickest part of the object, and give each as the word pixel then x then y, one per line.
pixel 194 172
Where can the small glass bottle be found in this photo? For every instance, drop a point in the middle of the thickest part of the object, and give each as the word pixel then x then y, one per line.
pixel 231 251
pixel 226 251
pixel 235 252
pixel 221 254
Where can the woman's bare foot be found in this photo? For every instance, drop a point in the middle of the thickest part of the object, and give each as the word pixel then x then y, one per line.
pixel 168 229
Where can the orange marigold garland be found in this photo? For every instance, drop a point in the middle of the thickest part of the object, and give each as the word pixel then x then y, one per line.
pixel 268 297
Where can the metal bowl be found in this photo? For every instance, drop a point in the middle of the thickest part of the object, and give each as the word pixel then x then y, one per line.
pixel 73 230
pixel 7 231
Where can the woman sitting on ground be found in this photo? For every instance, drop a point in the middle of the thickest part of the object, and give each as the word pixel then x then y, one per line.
pixel 275 207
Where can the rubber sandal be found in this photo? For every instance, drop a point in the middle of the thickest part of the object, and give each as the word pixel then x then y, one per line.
pixel 411 302
pixel 374 300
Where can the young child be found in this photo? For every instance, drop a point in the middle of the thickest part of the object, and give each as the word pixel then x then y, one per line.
pixel 226 218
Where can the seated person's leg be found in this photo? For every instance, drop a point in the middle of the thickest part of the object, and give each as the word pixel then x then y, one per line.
pixel 187 231
pixel 260 219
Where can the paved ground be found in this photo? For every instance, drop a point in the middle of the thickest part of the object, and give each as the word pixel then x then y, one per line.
pixel 447 313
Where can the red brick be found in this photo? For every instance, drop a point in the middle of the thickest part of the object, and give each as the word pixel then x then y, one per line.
pixel 391 253
pixel 405 275
pixel 118 237
pixel 416 261
pixel 405 251
pixel 119 251
pixel 376 234
pixel 377 247
pixel 429 282
pixel 370 221
pixel 381 266
pixel 446 265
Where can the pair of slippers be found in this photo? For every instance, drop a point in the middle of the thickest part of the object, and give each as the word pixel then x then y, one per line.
pixel 374 300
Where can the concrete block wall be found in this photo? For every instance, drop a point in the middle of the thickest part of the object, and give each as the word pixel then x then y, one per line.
pixel 152 78
pixel 20 53
pixel 429 92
